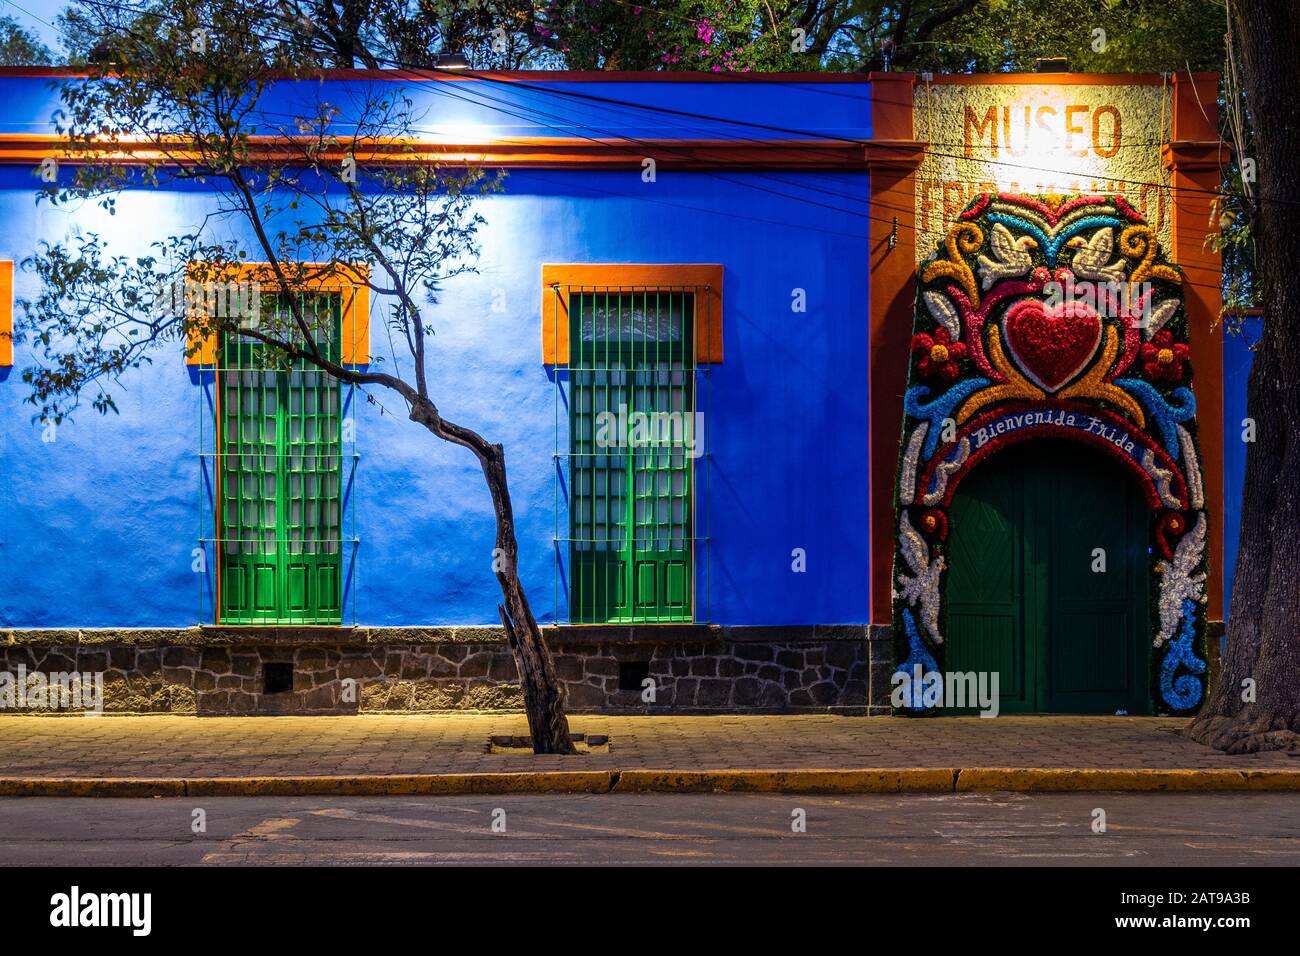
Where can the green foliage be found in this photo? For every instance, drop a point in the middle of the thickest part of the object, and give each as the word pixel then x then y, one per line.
pixel 183 87
pixel 1234 240
pixel 88 334
pixel 722 35
pixel 849 35
pixel 727 36
pixel 1139 36
pixel 18 47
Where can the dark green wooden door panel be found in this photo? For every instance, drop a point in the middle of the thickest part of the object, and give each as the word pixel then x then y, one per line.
pixel 1090 657
pixel 677 591
pixel 986 584
pixel 1096 621
pixel 647 593
pixel 1023 597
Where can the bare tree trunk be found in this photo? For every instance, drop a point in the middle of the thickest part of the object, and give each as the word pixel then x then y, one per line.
pixel 1256 704
pixel 544 695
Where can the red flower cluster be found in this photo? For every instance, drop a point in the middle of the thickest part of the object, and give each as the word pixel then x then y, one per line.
pixel 1163 358
pixel 935 523
pixel 937 355
pixel 1170 526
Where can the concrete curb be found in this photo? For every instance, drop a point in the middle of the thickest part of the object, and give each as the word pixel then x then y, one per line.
pixel 906 780
pixel 1144 780
pixel 440 784
pixel 916 780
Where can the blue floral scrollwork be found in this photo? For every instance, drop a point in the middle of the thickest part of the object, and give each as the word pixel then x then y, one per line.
pixel 1184 691
pixel 917 656
pixel 936 411
pixel 1167 416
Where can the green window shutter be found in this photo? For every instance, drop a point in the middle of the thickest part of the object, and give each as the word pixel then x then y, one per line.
pixel 631 425
pixel 281 465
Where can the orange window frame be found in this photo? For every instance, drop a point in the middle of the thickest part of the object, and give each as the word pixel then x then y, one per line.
pixel 355 327
pixel 558 279
pixel 6 312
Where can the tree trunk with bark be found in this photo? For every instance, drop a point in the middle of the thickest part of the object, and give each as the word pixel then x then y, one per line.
pixel 544 695
pixel 1256 703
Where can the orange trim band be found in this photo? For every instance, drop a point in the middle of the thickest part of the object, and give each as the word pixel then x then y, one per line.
pixel 546 152
pixel 557 280
pixel 1052 79
pixel 355 347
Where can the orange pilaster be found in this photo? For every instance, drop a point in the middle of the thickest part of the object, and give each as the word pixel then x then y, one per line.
pixel 1195 157
pixel 892 160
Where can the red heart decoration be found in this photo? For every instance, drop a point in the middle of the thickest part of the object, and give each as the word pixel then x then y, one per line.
pixel 1052 346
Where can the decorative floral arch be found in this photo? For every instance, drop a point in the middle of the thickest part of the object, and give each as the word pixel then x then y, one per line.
pixel 1053 316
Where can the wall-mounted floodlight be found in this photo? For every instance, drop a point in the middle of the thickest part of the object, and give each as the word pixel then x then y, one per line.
pixel 452 61
pixel 1052 64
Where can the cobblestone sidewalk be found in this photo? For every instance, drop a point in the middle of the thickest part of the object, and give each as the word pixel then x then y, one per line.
pixel 165 746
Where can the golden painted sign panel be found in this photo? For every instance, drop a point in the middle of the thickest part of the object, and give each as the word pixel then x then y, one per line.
pixel 1038 138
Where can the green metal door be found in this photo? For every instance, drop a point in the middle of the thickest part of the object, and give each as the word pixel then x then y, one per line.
pixel 630 425
pixel 1047 581
pixel 991 589
pixel 280 531
pixel 1092 525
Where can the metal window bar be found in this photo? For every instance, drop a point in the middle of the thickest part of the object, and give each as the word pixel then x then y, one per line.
pixel 629 498
pixel 277 474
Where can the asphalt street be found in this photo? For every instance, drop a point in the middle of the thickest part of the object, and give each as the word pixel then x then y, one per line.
pixel 969 829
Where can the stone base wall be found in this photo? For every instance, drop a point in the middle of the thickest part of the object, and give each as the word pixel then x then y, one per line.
pixel 693 668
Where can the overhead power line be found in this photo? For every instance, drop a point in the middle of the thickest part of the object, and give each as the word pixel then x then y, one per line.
pixel 550 89
pixel 532 114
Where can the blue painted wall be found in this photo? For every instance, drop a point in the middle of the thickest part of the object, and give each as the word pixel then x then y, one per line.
pixel 1237 358
pixel 97 527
